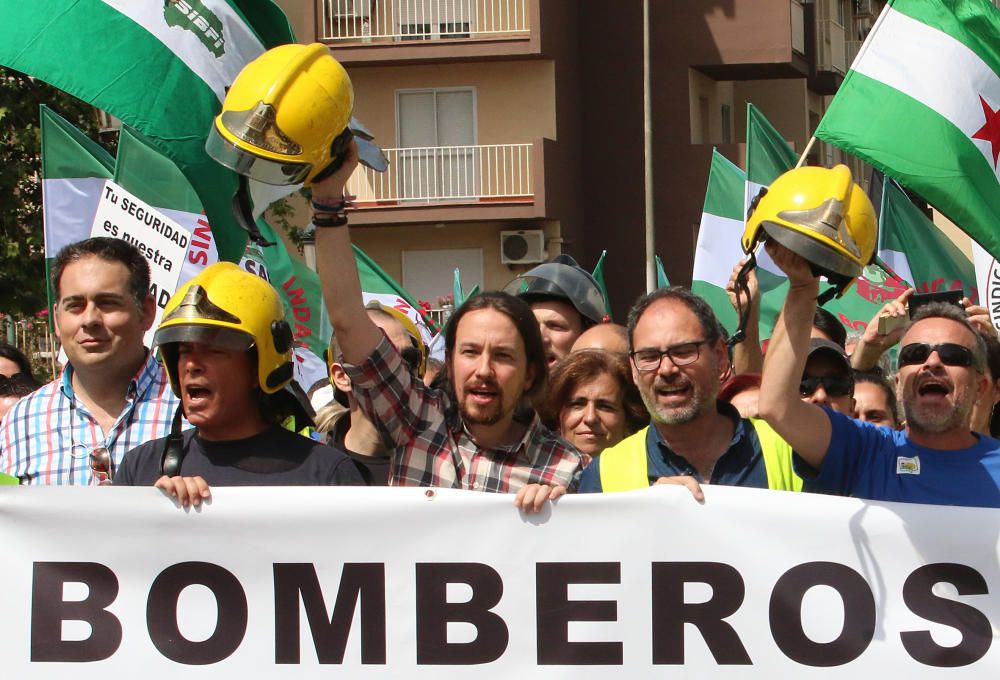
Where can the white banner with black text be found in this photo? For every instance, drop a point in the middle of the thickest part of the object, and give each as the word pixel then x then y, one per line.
pixel 419 583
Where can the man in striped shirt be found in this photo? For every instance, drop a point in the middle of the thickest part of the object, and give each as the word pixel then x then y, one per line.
pixel 112 395
pixel 472 434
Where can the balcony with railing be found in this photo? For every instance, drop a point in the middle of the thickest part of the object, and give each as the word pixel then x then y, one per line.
pixel 365 26
pixel 449 183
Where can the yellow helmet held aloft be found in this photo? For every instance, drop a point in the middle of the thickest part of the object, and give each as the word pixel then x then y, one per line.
pixel 823 216
pixel 225 306
pixel 285 119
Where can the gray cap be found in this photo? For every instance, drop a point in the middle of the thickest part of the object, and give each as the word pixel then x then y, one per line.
pixel 822 345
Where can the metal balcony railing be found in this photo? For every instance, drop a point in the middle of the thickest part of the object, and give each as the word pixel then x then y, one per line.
pixel 460 174
pixel 380 21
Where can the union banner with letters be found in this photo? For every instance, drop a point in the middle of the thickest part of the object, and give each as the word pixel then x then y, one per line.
pixel 427 583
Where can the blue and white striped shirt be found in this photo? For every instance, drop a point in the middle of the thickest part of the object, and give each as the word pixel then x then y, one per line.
pixel 47 437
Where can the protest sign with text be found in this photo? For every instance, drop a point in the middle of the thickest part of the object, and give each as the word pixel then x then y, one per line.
pixel 161 240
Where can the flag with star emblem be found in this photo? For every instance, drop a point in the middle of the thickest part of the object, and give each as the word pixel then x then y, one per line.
pixel 921 102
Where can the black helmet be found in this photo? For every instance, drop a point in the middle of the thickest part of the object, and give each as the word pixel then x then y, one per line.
pixel 562 279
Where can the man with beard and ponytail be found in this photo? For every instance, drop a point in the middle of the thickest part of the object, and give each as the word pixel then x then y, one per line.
pixel 678 357
pixel 472 434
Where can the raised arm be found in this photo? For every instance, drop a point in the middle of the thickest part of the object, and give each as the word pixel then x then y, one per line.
pixel 338 272
pixel 803 425
pixel 873 343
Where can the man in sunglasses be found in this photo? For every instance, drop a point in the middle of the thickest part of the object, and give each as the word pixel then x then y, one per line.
pixel 678 358
pixel 827 379
pixel 937 459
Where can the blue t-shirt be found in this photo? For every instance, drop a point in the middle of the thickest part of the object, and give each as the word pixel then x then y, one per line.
pixel 880 464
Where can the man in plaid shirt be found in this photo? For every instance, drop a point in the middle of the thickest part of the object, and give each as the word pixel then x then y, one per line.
pixel 469 435
pixel 113 395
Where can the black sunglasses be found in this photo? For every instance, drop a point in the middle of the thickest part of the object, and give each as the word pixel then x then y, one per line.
pixel 835 385
pixel 949 353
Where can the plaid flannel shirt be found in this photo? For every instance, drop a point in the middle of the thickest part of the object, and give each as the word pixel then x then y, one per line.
pixel 47 437
pixel 434 448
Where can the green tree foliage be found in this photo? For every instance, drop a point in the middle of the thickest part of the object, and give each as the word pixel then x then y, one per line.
pixel 22 252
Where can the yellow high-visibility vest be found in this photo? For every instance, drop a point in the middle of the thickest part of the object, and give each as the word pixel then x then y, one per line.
pixel 625 466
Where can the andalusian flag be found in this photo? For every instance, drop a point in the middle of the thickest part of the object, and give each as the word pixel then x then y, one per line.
pixel 377 285
pixel 718 247
pixel 74 168
pixel 159 66
pixel 917 250
pixel 922 103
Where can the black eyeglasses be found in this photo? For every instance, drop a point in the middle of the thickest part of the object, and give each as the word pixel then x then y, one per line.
pixel 834 385
pixel 949 353
pixel 681 355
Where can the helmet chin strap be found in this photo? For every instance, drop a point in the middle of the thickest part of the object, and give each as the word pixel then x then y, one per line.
pixel 173 447
pixel 243 212
pixel 742 289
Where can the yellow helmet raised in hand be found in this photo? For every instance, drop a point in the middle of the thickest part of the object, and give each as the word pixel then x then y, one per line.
pixel 821 215
pixel 225 306
pixel 285 120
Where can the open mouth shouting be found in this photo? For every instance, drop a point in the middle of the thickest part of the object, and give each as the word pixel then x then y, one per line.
pixel 933 388
pixel 482 394
pixel 676 391
pixel 196 395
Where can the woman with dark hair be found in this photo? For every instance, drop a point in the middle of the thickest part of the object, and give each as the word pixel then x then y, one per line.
pixel 592 402
pixel 13 361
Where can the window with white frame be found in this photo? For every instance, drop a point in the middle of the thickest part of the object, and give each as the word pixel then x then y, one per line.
pixel 436 129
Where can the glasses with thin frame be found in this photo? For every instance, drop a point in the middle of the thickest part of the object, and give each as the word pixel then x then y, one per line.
pixel 649 359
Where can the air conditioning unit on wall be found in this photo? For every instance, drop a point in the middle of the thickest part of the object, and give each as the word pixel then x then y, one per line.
pixel 525 246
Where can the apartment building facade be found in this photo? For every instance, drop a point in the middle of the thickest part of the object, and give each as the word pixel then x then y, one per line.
pixel 515 127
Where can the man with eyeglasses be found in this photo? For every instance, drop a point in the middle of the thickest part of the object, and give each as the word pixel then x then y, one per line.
pixel 936 459
pixel 678 357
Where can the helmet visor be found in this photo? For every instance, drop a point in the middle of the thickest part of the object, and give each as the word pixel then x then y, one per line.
pixel 214 336
pixel 246 163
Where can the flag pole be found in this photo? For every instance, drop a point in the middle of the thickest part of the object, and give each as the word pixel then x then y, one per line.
pixel 809 146
pixel 648 152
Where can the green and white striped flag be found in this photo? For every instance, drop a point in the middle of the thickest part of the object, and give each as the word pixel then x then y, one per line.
pixel 377 285
pixel 916 250
pixel 922 103
pixel 718 247
pixel 74 168
pixel 160 66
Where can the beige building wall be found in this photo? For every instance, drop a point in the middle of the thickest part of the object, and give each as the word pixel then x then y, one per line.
pixel 785 102
pixel 385 245
pixel 707 97
pixel 515 102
